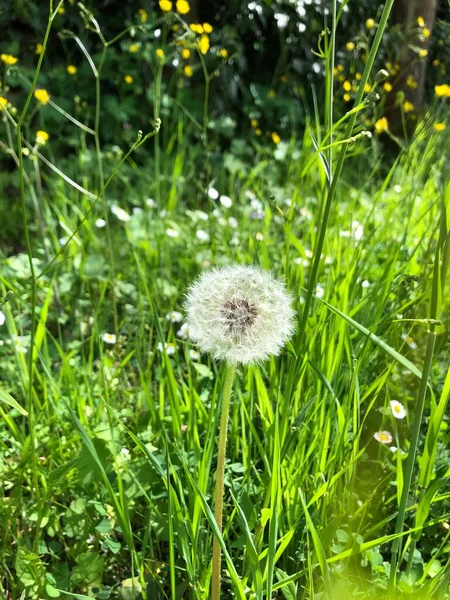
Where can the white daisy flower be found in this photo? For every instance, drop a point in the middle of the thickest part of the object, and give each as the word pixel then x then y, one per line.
pixel 120 213
pixel 384 437
pixel 320 291
pixel 409 340
pixel 100 223
pixel 109 338
pixel 213 193
pixel 150 203
pixel 174 317
pixel 226 201
pixel 232 222
pixel 194 355
pixel 183 332
pixel 2 318
pixel 173 233
pixel 398 410
pixel 239 313
pixel 169 348
pixel 357 230
pixel 305 212
pixel 365 284
pixel 259 237
pixel 202 235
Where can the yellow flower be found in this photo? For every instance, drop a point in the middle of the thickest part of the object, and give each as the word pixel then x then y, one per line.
pixel 3 102
pixel 196 27
pixel 61 10
pixel 436 62
pixel 347 97
pixel 143 15
pixel 411 82
pixel 254 122
pixel 370 23
pixel 420 22
pixel 358 76
pixel 71 69
pixel 367 88
pixel 271 94
pixel 423 52
pixel 9 59
pixel 41 137
pixel 439 126
pixel 350 46
pixel 183 7
pixel 258 131
pixel 165 5
pixel 283 78
pixel 275 138
pixel 188 71
pixel 207 28
pixel 347 86
pixel 442 90
pixel 133 48
pixel 185 53
pixel 204 44
pixel 339 68
pixel 160 53
pixel 224 53
pixel 39 49
pixel 387 87
pixel 42 95
pixel 128 79
pixel 426 33
pixel 381 125
pixel 408 106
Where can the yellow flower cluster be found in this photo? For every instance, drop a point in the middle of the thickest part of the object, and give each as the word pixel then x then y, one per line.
pixel 182 6
pixel 443 91
pixel 408 106
pixel 411 82
pixel 8 59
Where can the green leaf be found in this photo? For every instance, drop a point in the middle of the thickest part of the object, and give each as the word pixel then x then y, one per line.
pixel 8 399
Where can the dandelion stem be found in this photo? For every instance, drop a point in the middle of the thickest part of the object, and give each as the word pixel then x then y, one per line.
pixel 218 495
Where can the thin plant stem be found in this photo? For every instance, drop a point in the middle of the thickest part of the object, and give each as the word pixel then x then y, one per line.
pixel 218 494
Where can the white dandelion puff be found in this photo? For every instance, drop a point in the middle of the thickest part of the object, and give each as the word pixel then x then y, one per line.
pixel 384 437
pixel 398 410
pixel 239 313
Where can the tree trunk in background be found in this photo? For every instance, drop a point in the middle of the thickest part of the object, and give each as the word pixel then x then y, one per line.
pixel 405 14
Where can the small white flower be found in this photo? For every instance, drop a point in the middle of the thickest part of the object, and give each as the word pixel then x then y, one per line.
pixel 100 223
pixel 2 318
pixel 397 188
pixel 320 291
pixel 137 210
pixel 234 241
pixel 239 314
pixel 398 410
pixel 357 230
pixel 393 449
pixel 384 437
pixel 202 236
pixel 256 204
pixel 345 234
pixel 202 215
pixel 120 213
pixel 169 348
pixel 305 212
pixel 409 340
pixel 194 355
pixel 328 260
pixel 109 338
pixel 175 62
pixel 226 201
pixel 259 236
pixel 62 241
pixel 173 233
pixel 365 283
pixel 183 332
pixel 125 451
pixel 157 33
pixel 250 195
pixel 174 317
pixel 150 203
pixel 232 222
pixel 308 254
pixel 213 193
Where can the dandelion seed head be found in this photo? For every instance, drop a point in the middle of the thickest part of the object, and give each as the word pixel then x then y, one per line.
pixel 239 314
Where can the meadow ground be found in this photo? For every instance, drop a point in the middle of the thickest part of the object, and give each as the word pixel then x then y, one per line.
pixel 337 469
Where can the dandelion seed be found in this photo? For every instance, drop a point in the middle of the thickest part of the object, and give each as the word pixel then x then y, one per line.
pixel 174 317
pixel 226 201
pixel 398 410
pixel 239 313
pixel 109 338
pixel 120 213
pixel 213 193
pixel 384 437
pixel 100 223
pixel 2 318
pixel 173 233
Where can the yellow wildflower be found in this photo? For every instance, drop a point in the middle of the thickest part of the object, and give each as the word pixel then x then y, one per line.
pixel 185 53
pixel 347 86
pixel 61 10
pixel 436 62
pixel 283 78
pixel 358 76
pixel 442 90
pixel 143 15
pixel 204 44
pixel 42 95
pixel 411 82
pixel 339 67
pixel 423 52
pixel 347 97
pixel 275 138
pixel 408 106
pixel 426 33
pixel 381 125
pixel 387 87
pixel 165 5
pixel 224 53
pixel 160 53
pixel 370 23
pixel 183 7
pixel 128 79
pixel 254 122
pixel 350 46
pixel 39 49
pixel 439 126
pixel 41 137
pixel 196 27
pixel 3 102
pixel 420 22
pixel 133 48
pixel 258 131
pixel 367 88
pixel 271 94
pixel 207 28
pixel 188 71
pixel 9 59
pixel 71 69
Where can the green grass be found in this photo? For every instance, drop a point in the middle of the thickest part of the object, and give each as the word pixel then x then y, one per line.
pixel 108 479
